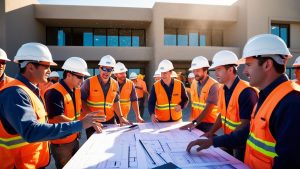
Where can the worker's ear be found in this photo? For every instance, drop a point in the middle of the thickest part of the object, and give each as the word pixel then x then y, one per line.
pixel 268 65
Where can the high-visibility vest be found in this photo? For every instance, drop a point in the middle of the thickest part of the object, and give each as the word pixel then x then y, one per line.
pixel 125 94
pixel 96 100
pixel 260 147
pixel 14 150
pixel 5 80
pixel 69 110
pixel 43 88
pixel 140 92
pixel 199 102
pixel 165 109
pixel 231 116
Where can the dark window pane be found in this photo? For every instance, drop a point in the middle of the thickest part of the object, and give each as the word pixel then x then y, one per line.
pixel 51 36
pixel 112 37
pixel 138 38
pixel 125 37
pixel 100 37
pixel 182 38
pixel 202 40
pixel 170 37
pixel 193 39
pixel 80 38
pixel 64 37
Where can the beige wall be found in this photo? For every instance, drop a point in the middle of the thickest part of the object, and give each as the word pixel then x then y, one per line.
pixel 2 25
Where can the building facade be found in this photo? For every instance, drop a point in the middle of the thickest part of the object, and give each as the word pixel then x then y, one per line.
pixel 142 37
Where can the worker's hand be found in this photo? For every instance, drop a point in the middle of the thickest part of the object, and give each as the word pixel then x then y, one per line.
pixel 202 143
pixel 98 127
pixel 153 118
pixel 123 121
pixel 139 119
pixel 189 127
pixel 177 108
pixel 208 134
pixel 92 119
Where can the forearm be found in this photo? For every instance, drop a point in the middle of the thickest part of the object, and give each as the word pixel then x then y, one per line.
pixel 208 109
pixel 135 107
pixel 217 125
pixel 117 109
pixel 244 122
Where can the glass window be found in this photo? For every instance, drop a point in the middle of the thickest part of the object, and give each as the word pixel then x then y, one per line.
pixel 193 39
pixel 138 38
pixel 275 30
pixel 82 37
pixel 170 37
pixel 125 37
pixel 202 40
pixel 51 36
pixel 100 37
pixel 182 38
pixel 61 38
pixel 283 31
pixel 112 37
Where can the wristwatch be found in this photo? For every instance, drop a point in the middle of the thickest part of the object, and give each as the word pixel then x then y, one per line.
pixel 194 122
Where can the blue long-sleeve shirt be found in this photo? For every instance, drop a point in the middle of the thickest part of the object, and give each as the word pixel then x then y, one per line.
pixel 284 126
pixel 18 116
pixel 169 91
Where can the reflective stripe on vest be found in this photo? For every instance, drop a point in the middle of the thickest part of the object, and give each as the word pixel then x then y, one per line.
pixel 96 100
pixel 198 102
pixel 230 124
pixel 260 147
pixel 164 109
pixel 13 142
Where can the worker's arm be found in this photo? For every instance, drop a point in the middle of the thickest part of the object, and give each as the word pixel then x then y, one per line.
pixel 184 97
pixel 217 125
pixel 135 105
pixel 151 105
pixel 85 91
pixel 118 111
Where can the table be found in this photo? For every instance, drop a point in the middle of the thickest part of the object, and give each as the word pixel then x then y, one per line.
pixel 147 146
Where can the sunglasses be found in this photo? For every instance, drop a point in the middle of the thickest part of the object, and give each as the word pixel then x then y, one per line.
pixel 2 62
pixel 77 76
pixel 105 69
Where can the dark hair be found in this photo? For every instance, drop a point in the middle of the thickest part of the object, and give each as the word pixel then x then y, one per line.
pixel 278 67
pixel 233 67
pixel 22 70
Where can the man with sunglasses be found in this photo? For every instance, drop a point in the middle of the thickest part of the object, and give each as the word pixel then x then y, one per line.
pixel 63 104
pixel 24 131
pixel 296 67
pixel 100 93
pixel 3 77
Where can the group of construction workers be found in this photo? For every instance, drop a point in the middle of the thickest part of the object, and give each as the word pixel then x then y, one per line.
pixel 259 118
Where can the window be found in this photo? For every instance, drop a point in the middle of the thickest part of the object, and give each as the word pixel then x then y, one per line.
pixel 100 37
pixel 82 37
pixel 138 38
pixel 170 37
pixel 283 31
pixel 193 39
pixel 125 37
pixel 182 38
pixel 112 37
pixel 202 40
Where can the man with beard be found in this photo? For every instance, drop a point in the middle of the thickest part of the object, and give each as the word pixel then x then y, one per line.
pixel 63 104
pixel 100 93
pixel 3 78
pixel 204 97
pixel 127 92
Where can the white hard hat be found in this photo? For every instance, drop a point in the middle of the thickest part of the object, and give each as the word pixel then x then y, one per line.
pixel 54 74
pixel 191 75
pixel 224 57
pixel 174 74
pixel 199 62
pixel 3 55
pixel 132 75
pixel 107 60
pixel 297 62
pixel 265 44
pixel 34 52
pixel 165 65
pixel 157 73
pixel 76 64
pixel 120 68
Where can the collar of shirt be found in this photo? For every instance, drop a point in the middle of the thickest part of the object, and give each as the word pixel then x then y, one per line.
pixel 263 94
pixel 2 77
pixel 204 81
pixel 101 82
pixel 62 82
pixel 121 84
pixel 236 80
pixel 31 86
pixel 164 85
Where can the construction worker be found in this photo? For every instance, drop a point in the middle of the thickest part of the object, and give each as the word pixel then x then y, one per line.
pixel 127 92
pixel 236 98
pixel 156 75
pixel 141 90
pixel 24 133
pixel 191 77
pixel 174 75
pixel 271 139
pixel 54 77
pixel 63 104
pixel 167 97
pixel 296 67
pixel 204 97
pixel 3 78
pixel 100 93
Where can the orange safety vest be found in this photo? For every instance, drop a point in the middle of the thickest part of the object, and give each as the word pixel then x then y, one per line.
pixel 165 109
pixel 96 100
pixel 230 116
pixel 43 88
pixel 260 147
pixel 125 97
pixel 69 110
pixel 142 84
pixel 14 150
pixel 5 80
pixel 199 103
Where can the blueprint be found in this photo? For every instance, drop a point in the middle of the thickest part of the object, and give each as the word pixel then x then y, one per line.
pixel 148 146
